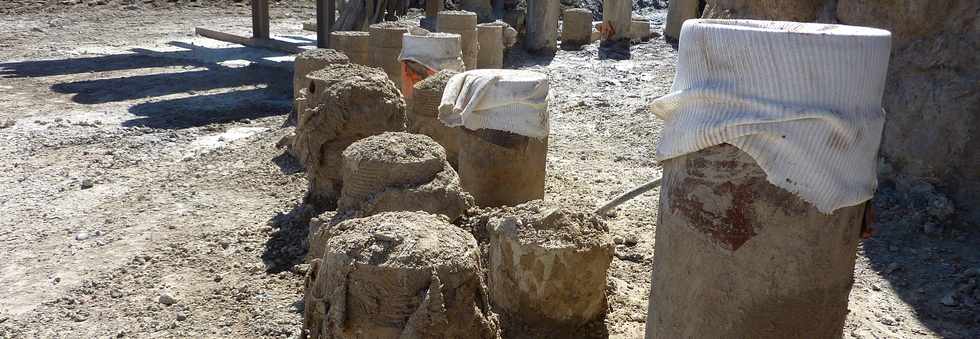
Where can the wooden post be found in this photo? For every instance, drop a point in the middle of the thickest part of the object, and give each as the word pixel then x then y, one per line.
pixel 260 19
pixel 325 12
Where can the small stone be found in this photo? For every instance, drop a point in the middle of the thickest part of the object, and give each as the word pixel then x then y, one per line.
pixel 181 316
pixel 972 272
pixel 631 240
pixel 888 320
pixel 115 293
pixel 948 300
pixel 619 240
pixel 892 268
pixel 168 300
pixel 7 123
pixel 875 287
pixel 87 183
pixel 80 236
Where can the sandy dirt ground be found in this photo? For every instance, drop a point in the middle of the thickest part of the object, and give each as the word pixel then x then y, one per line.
pixel 142 194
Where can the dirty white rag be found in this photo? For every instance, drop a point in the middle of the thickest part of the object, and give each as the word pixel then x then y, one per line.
pixel 804 100
pixel 500 99
pixel 436 51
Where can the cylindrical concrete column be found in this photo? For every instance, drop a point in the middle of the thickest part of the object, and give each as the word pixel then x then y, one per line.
pixel 737 257
pixel 355 44
pixel 617 15
pixel 541 280
pixel 464 24
pixel 501 168
pixel 504 144
pixel 346 102
pixel 576 29
pixel 542 26
pixel 766 180
pixel 386 46
pixel 614 40
pixel 482 8
pixel 677 12
pixel 398 275
pixel 313 60
pixel 491 40
pixel 640 30
pixel 423 117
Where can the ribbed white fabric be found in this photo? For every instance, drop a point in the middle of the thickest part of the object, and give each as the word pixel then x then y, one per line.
pixel 437 51
pixel 804 100
pixel 501 99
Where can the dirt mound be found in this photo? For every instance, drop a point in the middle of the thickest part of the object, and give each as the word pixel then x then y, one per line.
pixel 398 275
pixel 346 103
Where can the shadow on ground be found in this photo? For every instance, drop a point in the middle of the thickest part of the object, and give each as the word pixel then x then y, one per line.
pixel 935 272
pixel 287 245
pixel 173 100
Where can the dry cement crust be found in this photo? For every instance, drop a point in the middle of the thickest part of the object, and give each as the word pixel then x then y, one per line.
pixel 346 103
pixel 401 274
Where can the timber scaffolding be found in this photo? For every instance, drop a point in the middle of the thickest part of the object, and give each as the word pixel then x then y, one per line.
pixel 325 17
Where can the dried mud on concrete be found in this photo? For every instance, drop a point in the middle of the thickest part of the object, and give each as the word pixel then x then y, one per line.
pixel 142 194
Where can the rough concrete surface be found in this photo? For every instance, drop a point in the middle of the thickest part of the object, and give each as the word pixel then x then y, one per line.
pixel 739 257
pixel 139 161
pixel 399 275
pixel 547 268
pixel 346 103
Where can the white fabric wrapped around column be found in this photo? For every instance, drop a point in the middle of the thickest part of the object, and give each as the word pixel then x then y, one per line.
pixel 512 101
pixel 769 150
pixel 433 51
pixel 804 100
pixel 503 146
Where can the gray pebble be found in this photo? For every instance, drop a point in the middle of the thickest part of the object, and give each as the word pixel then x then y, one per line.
pixel 168 300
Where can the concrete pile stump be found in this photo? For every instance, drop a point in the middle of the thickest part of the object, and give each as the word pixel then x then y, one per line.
pixel 640 30
pixel 392 172
pixel 313 60
pixel 765 188
pixel 346 103
pixel 386 46
pixel 542 26
pixel 576 28
pixel 355 44
pixel 464 24
pixel 432 9
pixel 423 117
pixel 401 172
pixel 490 37
pixel 679 11
pixel 482 8
pixel 504 142
pixel 304 64
pixel 548 266
pixel 398 275
pixel 617 16
pixel 426 53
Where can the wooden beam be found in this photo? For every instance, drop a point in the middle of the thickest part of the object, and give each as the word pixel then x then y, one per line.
pixel 251 42
pixel 260 19
pixel 326 11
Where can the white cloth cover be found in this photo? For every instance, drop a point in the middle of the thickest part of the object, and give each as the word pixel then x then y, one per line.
pixel 804 100
pixel 437 51
pixel 500 99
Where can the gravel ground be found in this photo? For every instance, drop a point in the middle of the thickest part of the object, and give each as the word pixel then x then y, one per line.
pixel 142 195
